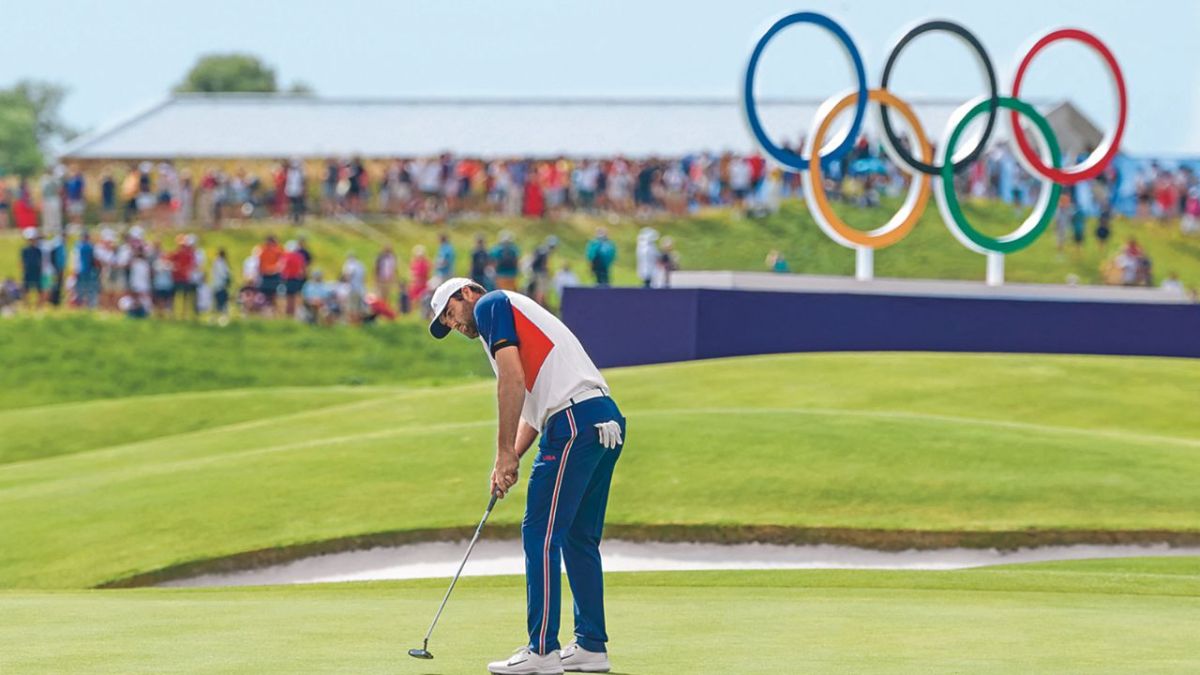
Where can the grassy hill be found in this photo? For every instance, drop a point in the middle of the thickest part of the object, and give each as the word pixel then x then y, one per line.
pixel 850 443
pixel 78 357
pixel 719 239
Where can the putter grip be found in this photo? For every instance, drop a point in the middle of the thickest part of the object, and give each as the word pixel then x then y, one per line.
pixel 492 502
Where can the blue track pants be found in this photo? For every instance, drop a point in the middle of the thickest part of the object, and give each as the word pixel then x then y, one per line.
pixel 564 520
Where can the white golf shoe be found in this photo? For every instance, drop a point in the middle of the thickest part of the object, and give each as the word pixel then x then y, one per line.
pixel 576 659
pixel 525 661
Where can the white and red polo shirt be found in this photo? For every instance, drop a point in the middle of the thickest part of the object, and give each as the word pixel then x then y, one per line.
pixel 555 364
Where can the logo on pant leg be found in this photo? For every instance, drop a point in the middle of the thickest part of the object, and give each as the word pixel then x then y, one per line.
pixel 549 458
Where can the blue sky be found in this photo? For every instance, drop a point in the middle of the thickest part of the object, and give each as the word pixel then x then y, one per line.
pixel 119 55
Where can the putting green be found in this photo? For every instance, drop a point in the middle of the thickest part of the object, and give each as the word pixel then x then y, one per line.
pixel 859 443
pixel 1116 616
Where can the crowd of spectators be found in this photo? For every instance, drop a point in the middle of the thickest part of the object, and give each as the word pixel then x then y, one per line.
pixel 437 189
pixel 433 189
pixel 143 275
pixel 160 197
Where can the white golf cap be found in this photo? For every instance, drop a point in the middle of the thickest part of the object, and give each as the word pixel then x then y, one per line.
pixel 441 298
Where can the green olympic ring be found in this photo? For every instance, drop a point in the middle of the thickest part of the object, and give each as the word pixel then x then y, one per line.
pixel 1043 211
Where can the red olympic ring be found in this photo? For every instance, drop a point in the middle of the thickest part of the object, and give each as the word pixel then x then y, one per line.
pixel 1101 156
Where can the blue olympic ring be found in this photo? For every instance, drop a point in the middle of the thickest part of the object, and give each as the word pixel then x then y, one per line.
pixel 784 156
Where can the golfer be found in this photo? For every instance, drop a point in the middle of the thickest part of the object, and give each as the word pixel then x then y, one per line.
pixel 547 385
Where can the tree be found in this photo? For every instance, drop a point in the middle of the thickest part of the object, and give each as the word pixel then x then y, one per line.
pixel 19 151
pixel 229 73
pixel 45 98
pixel 30 124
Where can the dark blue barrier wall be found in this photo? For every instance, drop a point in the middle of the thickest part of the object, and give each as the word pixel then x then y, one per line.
pixel 630 326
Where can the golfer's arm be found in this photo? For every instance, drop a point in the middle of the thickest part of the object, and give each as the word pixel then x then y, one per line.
pixel 510 393
pixel 526 435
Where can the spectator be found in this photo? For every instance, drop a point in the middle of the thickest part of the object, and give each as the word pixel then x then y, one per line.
pixel 1104 227
pixel 1172 284
pixel 87 278
pixel 294 187
pixel 480 263
pixel 647 254
pixel 6 200
pixel 668 262
pixel 54 266
pixel 31 266
pixel 377 307
pixel 129 193
pixel 145 199
pixel 539 268
pixel 601 253
pixel 329 188
pixel 185 208
pixel 1130 267
pixel 534 204
pixel 131 307
pixel 1063 218
pixel 445 257
pixel 74 189
pixel 506 257
pixel 564 279
pixel 162 281
pixel 777 263
pixel 353 287
pixel 24 215
pixel 279 196
pixel 108 197
pixel 10 297
pixel 250 272
pixel 1189 223
pixel 308 256
pixel 386 271
pixel 183 265
pixel 419 270
pixel 140 279
pixel 222 278
pixel 315 296
pixel 51 189
pixel 293 273
pixel 111 274
pixel 270 269
pixel 740 176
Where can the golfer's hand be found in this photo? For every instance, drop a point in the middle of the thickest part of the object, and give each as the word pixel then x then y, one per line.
pixel 504 473
pixel 610 434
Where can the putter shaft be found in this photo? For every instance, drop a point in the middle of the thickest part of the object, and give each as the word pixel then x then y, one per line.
pixel 461 565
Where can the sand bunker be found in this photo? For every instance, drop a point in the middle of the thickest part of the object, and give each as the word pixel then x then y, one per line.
pixel 440 559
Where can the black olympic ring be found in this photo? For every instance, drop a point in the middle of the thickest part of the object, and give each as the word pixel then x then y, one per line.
pixel 985 61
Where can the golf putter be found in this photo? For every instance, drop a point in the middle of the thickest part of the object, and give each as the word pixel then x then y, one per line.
pixel 423 652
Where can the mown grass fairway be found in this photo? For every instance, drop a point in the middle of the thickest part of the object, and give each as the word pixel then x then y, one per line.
pixel 882 441
pixel 129 448
pixel 1096 617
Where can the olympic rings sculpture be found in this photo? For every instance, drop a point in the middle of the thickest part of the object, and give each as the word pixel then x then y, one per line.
pixel 929 173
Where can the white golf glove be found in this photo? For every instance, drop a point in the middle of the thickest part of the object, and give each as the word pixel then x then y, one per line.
pixel 610 434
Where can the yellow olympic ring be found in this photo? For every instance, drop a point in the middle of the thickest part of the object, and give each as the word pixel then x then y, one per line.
pixel 814 189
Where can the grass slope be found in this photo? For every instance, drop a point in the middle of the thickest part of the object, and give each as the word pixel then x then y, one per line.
pixel 56 359
pixel 719 239
pixel 1108 617
pixel 893 441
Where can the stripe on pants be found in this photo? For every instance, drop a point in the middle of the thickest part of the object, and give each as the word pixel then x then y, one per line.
pixel 562 465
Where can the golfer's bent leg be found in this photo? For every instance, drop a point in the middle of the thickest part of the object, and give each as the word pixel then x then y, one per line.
pixel 557 483
pixel 581 549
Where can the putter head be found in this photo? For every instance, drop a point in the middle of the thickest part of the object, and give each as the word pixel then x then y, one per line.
pixel 420 654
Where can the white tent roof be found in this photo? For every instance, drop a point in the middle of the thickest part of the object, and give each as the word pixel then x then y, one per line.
pixel 277 126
